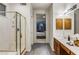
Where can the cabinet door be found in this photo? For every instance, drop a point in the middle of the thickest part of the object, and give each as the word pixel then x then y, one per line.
pixel 56 47
pixel 72 53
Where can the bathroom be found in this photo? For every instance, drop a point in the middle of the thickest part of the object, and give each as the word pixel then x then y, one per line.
pixel 58 23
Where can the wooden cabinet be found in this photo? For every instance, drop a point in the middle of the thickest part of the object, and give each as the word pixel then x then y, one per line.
pixel 60 49
pixel 56 47
pixel 64 50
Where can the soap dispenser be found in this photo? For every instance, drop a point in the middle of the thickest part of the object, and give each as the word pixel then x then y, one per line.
pixel 69 42
pixel 68 38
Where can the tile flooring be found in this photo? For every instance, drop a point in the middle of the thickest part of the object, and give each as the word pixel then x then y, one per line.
pixel 40 49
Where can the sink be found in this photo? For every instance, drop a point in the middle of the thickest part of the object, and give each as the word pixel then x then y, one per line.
pixel 69 43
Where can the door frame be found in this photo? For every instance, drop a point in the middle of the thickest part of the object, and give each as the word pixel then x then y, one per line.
pixel 34 34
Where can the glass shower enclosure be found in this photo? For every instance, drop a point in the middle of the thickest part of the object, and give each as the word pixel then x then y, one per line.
pixel 12 32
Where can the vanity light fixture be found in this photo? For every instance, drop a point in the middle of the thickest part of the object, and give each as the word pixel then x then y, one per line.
pixel 71 9
pixel 23 4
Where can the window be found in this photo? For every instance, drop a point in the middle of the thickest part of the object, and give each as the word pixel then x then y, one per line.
pixel 2 9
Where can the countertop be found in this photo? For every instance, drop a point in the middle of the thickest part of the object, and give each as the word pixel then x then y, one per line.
pixel 73 48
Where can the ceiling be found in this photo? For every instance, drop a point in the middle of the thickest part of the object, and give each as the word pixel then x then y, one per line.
pixel 41 5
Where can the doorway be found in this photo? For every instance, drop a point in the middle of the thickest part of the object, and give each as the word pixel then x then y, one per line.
pixel 40 28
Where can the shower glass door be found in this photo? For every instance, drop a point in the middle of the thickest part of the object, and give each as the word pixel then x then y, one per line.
pixel 23 34
pixel 12 32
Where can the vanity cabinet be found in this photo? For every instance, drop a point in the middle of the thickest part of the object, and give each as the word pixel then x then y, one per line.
pixel 60 49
